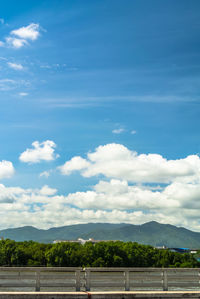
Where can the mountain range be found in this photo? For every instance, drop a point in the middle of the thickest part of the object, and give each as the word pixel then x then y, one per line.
pixel 152 233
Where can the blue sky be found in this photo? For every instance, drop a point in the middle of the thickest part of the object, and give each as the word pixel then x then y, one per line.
pixel 106 78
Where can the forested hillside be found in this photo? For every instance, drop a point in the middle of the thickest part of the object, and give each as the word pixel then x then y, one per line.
pixel 151 233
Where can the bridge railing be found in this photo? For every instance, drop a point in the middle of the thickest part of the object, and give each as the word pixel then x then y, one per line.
pixel 142 278
pixel 87 279
pixel 40 277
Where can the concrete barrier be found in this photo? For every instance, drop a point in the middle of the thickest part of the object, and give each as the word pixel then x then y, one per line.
pixel 43 295
pixel 66 279
pixel 132 279
pixel 99 295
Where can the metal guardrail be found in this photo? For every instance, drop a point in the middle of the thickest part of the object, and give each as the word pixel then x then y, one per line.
pixel 88 279
pixel 142 278
pixel 37 277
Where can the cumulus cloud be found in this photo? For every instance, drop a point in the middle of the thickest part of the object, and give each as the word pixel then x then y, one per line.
pixel 15 66
pixel 76 163
pixel 6 169
pixel 117 161
pixel 44 151
pixel 20 207
pixel 9 195
pixel 20 37
pixel 130 190
pixel 46 190
pixel 131 186
pixel 109 201
pixel 119 195
pixel 29 32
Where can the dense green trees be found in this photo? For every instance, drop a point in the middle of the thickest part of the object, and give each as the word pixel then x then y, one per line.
pixel 103 254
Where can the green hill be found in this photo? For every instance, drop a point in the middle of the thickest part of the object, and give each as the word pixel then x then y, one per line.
pixel 152 233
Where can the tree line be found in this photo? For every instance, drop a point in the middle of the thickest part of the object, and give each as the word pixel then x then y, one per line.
pixel 102 254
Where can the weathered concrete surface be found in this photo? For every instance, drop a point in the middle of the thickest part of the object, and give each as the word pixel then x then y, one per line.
pixel 145 295
pixel 43 295
pixel 100 295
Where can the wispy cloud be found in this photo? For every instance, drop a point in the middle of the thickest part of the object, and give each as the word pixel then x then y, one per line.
pixel 133 132
pixel 15 42
pixel 45 174
pixel 23 94
pixel 9 84
pixel 15 66
pixel 2 21
pixel 3 58
pixel 92 101
pixel 118 131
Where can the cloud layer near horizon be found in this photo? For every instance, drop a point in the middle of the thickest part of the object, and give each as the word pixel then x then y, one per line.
pixel 112 201
pixel 133 188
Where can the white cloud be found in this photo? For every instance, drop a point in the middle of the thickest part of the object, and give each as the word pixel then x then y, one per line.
pixel 6 169
pixel 76 163
pixel 45 174
pixel 2 21
pixel 44 209
pixel 29 32
pixel 119 195
pixel 23 94
pixel 15 66
pixel 114 201
pixel 133 132
pixel 16 42
pixel 118 131
pixel 9 84
pixel 19 38
pixel 43 151
pixel 117 161
pixel 46 190
pixel 123 197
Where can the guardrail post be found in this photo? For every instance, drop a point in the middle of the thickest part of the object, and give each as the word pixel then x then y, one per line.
pixel 78 282
pixel 37 281
pixel 164 280
pixel 199 276
pixel 87 279
pixel 127 284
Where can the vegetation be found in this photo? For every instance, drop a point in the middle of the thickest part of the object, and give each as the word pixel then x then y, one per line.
pixel 103 254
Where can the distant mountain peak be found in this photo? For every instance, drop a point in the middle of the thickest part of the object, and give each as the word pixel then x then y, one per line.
pixel 151 233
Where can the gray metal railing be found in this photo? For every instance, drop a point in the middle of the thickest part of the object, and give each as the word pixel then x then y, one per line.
pixel 87 279
pixel 40 277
